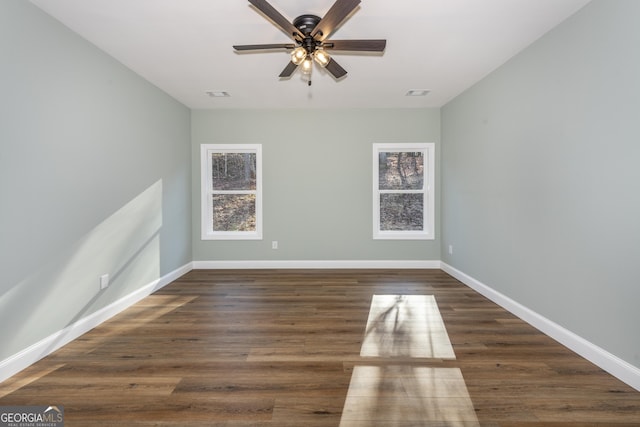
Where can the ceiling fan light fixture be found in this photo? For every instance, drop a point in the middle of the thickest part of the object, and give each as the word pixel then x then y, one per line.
pixel 298 55
pixel 321 57
pixel 307 64
pixel 311 35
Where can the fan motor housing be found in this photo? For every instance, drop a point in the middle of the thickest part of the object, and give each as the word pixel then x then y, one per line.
pixel 306 23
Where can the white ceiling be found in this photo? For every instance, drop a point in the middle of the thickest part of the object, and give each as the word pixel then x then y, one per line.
pixel 184 47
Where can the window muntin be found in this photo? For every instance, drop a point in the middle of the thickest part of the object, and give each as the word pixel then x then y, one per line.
pixel 231 191
pixel 403 199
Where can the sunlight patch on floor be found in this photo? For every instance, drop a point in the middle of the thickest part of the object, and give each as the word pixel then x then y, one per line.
pixel 399 395
pixel 401 328
pixel 406 326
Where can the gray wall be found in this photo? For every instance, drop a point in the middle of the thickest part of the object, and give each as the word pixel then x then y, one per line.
pixel 95 177
pixel 541 182
pixel 317 186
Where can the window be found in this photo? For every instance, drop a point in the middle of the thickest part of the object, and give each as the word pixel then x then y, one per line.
pixel 231 191
pixel 403 191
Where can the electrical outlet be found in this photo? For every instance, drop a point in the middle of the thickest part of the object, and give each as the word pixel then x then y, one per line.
pixel 104 281
pixel 274 244
pixel 450 249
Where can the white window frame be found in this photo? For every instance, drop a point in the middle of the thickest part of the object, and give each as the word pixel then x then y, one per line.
pixel 428 231
pixel 207 232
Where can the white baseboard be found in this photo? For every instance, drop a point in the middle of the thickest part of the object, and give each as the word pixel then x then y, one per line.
pixel 600 357
pixel 25 358
pixel 612 364
pixel 48 345
pixel 267 264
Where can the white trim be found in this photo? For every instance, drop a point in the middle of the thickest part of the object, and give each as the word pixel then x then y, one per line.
pixel 293 264
pixel 600 357
pixel 30 355
pixel 206 214
pixel 617 367
pixel 428 192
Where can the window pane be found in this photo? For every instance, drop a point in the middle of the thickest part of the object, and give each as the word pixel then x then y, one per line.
pixel 234 212
pixel 233 171
pixel 401 212
pixel 401 171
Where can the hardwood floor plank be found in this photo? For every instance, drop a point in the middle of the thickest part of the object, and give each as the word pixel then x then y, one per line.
pixel 283 348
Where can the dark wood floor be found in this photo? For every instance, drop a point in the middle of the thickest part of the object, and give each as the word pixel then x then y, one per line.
pixel 282 348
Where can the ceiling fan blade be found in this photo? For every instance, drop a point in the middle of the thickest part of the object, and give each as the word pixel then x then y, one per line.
pixel 288 70
pixel 334 17
pixel 335 69
pixel 356 45
pixel 277 18
pixel 264 46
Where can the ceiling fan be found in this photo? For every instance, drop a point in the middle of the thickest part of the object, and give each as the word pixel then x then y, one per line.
pixel 310 32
